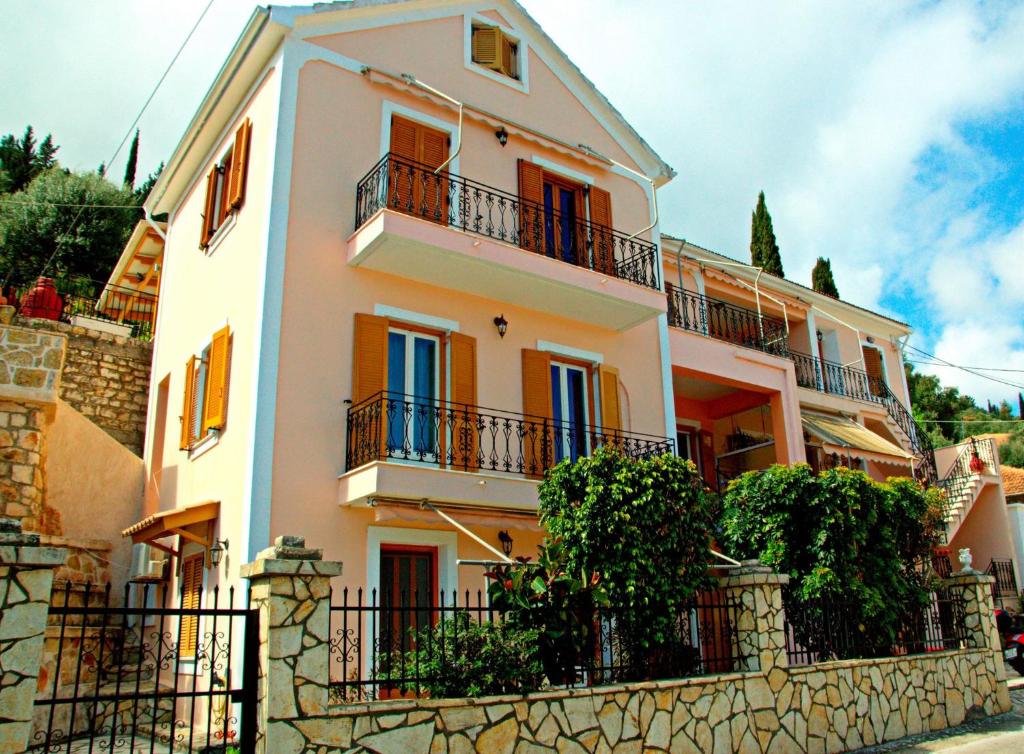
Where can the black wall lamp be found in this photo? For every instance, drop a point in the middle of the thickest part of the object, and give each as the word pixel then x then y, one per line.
pixel 506 542
pixel 502 324
pixel 220 546
pixel 502 135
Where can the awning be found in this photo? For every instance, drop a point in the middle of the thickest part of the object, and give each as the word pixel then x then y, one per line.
pixel 845 434
pixel 498 518
pixel 175 523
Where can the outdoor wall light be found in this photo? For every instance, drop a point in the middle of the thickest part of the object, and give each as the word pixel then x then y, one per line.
pixel 502 135
pixel 506 542
pixel 220 546
pixel 502 324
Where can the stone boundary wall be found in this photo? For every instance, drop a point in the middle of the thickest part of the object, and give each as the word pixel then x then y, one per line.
pixel 106 378
pixel 830 707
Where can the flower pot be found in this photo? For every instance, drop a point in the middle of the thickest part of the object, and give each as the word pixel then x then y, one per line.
pixel 43 301
pixel 6 314
pixel 976 465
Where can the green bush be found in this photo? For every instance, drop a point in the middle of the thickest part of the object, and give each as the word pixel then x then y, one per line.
pixel 841 537
pixel 460 657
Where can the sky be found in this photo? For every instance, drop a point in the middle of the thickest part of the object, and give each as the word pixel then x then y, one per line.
pixel 888 135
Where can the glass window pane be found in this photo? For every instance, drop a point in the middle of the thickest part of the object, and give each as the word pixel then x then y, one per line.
pixel 549 220
pixel 425 392
pixel 396 362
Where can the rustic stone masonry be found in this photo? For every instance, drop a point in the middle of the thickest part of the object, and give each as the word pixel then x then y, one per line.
pixel 105 378
pixel 291 587
pixel 30 374
pixel 830 707
pixel 26 577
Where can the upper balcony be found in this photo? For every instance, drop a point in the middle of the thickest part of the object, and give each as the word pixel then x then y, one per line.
pixel 722 320
pixel 450 231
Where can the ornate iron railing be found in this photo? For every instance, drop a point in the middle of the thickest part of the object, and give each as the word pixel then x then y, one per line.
pixel 824 629
pixel 409 187
pixel 386 645
pixel 960 475
pixel 725 321
pixel 393 426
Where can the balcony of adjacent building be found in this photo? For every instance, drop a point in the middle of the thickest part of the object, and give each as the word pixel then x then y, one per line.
pixel 400 447
pixel 458 233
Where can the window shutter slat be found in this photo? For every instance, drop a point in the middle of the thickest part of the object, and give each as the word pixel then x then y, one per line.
pixel 537 440
pixel 402 176
pixel 874 367
pixel 210 207
pixel 215 401
pixel 531 200
pixel 186 408
pixel 611 410
pixel 433 202
pixel 239 165
pixel 601 220
pixel 465 443
pixel 487 46
pixel 370 357
pixel 191 587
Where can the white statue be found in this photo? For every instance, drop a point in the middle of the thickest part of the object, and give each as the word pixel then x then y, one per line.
pixel 966 559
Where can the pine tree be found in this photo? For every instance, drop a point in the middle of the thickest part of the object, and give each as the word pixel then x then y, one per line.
pixel 133 163
pixel 764 251
pixel 821 278
pixel 21 161
pixel 45 155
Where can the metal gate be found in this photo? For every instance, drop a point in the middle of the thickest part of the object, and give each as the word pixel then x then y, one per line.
pixel 140 676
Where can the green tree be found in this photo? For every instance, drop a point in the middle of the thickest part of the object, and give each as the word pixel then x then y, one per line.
pixel 132 164
pixel 46 225
pixel 937 408
pixel 821 278
pixel 143 189
pixel 1011 452
pixel 21 160
pixel 764 251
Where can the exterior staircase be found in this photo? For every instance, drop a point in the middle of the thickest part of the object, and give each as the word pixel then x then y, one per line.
pixel 963 485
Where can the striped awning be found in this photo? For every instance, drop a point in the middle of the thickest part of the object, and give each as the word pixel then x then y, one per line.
pixel 844 434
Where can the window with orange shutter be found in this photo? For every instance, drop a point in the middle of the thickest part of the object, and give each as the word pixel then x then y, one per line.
pixel 206 391
pixel 191 585
pixel 225 184
pixel 495 50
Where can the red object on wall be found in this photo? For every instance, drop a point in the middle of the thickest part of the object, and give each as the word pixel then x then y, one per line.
pixel 43 301
pixel 977 465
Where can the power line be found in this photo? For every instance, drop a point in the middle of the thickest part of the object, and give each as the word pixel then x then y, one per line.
pixel 984 369
pixel 972 421
pixel 64 204
pixel 943 362
pixel 131 128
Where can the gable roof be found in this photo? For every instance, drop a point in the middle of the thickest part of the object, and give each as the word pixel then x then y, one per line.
pixel 267 28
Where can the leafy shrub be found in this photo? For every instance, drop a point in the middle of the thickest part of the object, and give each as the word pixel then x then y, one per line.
pixel 841 537
pixel 460 657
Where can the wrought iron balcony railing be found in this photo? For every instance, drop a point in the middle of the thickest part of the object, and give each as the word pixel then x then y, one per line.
pixel 392 426
pixel 960 475
pixel 724 321
pixel 414 189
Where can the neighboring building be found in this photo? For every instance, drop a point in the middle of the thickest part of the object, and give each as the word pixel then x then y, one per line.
pixel 411 261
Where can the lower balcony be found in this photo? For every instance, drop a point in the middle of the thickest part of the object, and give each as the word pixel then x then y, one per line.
pixel 724 321
pixel 405 447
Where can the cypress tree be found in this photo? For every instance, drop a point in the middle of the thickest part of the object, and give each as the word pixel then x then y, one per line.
pixel 132 164
pixel 764 251
pixel 821 278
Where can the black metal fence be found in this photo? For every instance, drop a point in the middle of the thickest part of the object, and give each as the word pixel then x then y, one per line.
pixel 397 645
pixel 142 678
pixel 82 299
pixel 451 200
pixel 471 438
pixel 1005 586
pixel 725 321
pixel 823 630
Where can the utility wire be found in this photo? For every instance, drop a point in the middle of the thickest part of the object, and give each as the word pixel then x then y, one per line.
pixel 131 128
pixel 961 366
pixel 63 204
pixel 943 362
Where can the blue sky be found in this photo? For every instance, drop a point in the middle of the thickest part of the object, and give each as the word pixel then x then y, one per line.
pixel 888 135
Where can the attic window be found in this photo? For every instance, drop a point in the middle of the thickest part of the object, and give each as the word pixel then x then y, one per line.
pixel 494 49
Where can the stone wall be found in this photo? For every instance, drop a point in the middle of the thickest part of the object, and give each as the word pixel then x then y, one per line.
pixel 106 378
pixel 831 707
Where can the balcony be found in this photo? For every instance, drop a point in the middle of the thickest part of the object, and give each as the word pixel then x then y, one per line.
pixel 459 234
pixel 724 321
pixel 405 433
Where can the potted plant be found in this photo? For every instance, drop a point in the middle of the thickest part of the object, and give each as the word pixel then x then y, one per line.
pixel 976 465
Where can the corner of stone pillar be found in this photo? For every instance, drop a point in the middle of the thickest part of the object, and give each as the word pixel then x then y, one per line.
pixel 26 579
pixel 760 623
pixel 290 586
pixel 979 610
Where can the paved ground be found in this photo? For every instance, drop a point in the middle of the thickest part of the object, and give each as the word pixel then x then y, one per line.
pixel 994 735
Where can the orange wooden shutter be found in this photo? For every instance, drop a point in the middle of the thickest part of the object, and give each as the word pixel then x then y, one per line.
pixel 215 402
pixel 611 416
pixel 465 443
pixel 369 357
pixel 433 153
pixel 239 165
pixel 487 46
pixel 601 220
pixel 531 203
pixel 186 409
pixel 402 174
pixel 210 207
pixel 875 369
pixel 191 588
pixel 537 440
